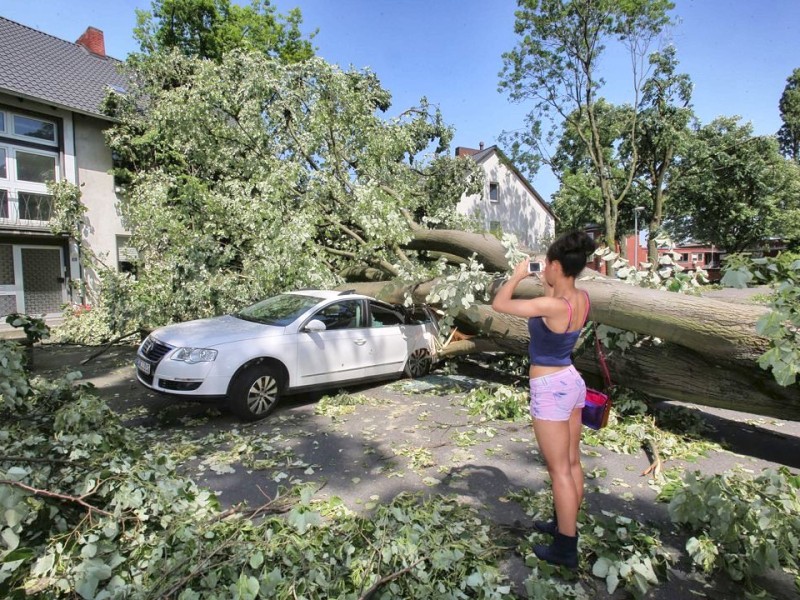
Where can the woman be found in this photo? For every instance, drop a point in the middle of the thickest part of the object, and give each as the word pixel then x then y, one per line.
pixel 558 392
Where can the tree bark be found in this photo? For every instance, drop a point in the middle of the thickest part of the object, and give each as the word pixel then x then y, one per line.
pixel 706 350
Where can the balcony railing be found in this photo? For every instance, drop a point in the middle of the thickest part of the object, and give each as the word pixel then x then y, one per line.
pixel 27 210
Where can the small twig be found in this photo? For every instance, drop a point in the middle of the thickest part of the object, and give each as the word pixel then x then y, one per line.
pixel 203 566
pixel 107 346
pixel 369 593
pixel 55 495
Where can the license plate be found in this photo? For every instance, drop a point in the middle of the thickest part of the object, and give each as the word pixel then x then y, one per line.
pixel 143 366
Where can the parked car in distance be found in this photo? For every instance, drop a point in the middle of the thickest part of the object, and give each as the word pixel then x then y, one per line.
pixel 289 343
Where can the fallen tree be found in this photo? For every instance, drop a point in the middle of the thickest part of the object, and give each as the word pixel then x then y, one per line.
pixel 705 351
pixel 286 176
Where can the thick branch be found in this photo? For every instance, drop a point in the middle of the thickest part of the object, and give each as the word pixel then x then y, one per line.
pixel 488 248
pixel 55 495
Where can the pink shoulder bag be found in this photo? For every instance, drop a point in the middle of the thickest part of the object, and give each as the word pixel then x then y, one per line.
pixel 598 404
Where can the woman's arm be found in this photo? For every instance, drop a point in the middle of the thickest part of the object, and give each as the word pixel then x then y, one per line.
pixel 536 307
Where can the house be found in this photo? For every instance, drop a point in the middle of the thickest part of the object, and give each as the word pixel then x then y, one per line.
pixel 698 255
pixel 51 129
pixel 509 203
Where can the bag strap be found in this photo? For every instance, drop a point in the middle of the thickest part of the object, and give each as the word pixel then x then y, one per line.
pixel 601 358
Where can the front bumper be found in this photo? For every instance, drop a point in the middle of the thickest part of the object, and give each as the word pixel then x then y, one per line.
pixel 158 372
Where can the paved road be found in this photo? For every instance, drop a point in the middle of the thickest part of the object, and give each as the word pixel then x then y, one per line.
pixel 410 437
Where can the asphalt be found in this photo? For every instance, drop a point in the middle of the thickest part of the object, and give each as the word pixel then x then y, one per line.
pixel 412 437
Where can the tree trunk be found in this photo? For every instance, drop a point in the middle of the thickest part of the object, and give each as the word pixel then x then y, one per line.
pixel 706 350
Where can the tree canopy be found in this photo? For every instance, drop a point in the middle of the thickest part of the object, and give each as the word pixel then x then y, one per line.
pixel 663 131
pixel 556 67
pixel 734 189
pixel 252 176
pixel 789 105
pixel 211 28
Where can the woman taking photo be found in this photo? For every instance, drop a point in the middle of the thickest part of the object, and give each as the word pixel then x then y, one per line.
pixel 558 392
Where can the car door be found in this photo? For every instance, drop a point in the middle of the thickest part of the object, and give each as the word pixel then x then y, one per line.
pixel 341 352
pixel 386 338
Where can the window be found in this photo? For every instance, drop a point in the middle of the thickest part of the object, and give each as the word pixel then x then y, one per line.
pixel 684 257
pixel 384 316
pixel 126 255
pixel 26 166
pixel 342 315
pixel 37 168
pixel 30 127
pixel 493 191
pixel 35 207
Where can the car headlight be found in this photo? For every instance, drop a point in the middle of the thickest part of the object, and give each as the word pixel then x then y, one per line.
pixel 194 355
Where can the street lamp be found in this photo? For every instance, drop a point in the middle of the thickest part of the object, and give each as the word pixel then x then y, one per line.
pixel 636 236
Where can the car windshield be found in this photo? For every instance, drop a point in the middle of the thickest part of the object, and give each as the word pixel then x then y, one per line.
pixel 278 310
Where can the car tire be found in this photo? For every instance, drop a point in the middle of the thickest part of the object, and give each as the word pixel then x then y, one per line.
pixel 256 391
pixel 419 363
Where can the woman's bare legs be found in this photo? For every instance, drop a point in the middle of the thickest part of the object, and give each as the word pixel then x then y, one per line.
pixel 559 443
pixel 575 429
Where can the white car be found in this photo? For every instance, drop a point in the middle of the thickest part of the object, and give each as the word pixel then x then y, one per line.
pixel 289 343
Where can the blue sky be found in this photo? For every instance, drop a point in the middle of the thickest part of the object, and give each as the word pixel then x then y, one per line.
pixel 737 52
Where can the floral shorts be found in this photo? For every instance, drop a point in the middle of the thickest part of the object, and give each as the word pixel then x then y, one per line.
pixel 555 396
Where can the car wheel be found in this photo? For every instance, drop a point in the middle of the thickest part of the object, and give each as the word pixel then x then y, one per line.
pixel 419 363
pixel 256 392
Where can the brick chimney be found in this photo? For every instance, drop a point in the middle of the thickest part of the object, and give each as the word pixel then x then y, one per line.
pixel 462 151
pixel 92 39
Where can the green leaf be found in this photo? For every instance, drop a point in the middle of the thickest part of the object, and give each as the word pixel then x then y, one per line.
pixel 87 587
pixel 474 580
pixel 44 564
pixel 13 517
pixel 257 559
pixel 736 278
pixel 601 567
pixel 247 587
pixel 10 539
pixel 302 521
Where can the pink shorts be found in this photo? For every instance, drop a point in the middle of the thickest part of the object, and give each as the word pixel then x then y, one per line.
pixel 555 396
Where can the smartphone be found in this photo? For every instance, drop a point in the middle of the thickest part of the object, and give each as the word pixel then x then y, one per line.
pixel 534 267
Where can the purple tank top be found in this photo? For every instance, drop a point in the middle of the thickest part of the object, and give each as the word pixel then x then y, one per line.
pixel 550 349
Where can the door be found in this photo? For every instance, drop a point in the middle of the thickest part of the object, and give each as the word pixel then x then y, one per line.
pixel 340 353
pixel 8 290
pixel 42 280
pixel 387 339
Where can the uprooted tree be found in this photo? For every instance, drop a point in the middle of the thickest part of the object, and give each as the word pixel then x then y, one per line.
pixel 691 348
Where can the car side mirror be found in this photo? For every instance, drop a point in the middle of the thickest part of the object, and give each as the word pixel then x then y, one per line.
pixel 314 325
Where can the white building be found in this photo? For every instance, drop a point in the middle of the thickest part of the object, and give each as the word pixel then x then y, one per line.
pixel 51 129
pixel 508 203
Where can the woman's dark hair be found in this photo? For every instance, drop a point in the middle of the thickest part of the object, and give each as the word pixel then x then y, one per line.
pixel 571 250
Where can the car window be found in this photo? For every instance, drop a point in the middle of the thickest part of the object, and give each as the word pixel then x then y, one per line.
pixel 278 310
pixel 341 315
pixel 384 316
pixel 418 313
